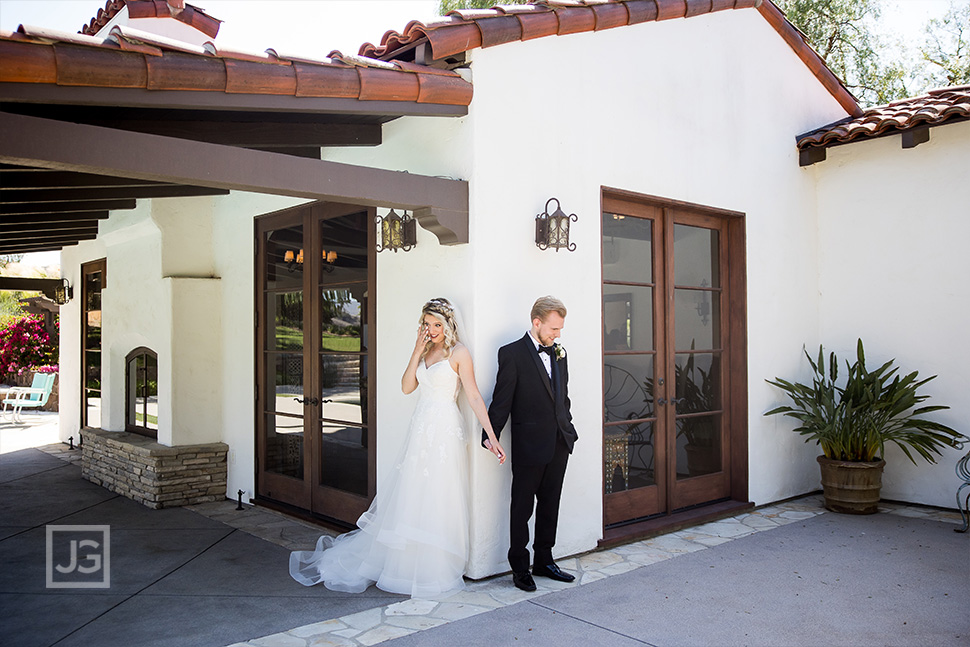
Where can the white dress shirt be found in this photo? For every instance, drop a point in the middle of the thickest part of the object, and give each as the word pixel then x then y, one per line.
pixel 546 360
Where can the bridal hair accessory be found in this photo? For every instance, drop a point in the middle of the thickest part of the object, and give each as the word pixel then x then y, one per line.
pixel 441 306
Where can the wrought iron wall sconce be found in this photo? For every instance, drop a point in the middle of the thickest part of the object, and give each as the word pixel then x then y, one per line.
pixel 396 232
pixel 552 230
pixel 63 293
pixel 294 261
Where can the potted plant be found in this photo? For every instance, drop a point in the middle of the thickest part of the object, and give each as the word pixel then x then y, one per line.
pixel 698 394
pixel 852 423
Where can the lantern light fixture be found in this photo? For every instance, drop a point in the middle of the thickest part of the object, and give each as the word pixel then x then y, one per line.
pixel 552 230
pixel 63 292
pixel 396 232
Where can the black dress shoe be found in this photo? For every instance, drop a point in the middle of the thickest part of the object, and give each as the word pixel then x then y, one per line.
pixel 553 572
pixel 524 581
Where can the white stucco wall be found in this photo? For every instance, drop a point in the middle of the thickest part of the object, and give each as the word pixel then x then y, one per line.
pixel 893 265
pixel 702 110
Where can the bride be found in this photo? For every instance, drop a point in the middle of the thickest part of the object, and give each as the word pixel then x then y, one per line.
pixel 414 537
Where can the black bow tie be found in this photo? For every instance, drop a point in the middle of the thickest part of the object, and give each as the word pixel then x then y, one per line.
pixel 548 350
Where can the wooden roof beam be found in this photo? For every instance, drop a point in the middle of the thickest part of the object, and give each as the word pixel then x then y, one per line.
pixel 39 244
pixel 43 234
pixel 65 217
pixel 38 208
pixel 441 205
pixel 31 179
pixel 27 196
pixel 66 227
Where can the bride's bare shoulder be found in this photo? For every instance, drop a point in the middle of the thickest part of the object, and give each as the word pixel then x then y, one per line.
pixel 460 352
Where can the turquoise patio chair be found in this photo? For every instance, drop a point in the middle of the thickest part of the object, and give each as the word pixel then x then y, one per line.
pixel 31 397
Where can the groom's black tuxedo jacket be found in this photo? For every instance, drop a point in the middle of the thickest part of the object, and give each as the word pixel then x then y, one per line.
pixel 524 391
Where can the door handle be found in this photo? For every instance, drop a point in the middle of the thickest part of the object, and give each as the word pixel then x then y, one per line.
pixel 307 401
pixel 676 400
pixel 661 402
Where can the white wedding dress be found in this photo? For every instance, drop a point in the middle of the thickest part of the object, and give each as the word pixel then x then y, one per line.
pixel 414 537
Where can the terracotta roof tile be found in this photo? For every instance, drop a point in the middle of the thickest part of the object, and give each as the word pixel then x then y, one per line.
pixel 466 29
pixel 538 24
pixel 177 9
pixel 500 29
pixel 457 38
pixel 387 85
pixel 575 20
pixel 178 71
pixel 98 67
pixel 611 14
pixel 641 11
pixel 326 81
pixel 698 7
pixel 437 88
pixel 15 68
pixel 668 9
pixel 130 58
pixel 247 77
pixel 932 109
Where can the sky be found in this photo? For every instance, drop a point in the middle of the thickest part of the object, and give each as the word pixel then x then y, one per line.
pixel 321 26
pixel 318 27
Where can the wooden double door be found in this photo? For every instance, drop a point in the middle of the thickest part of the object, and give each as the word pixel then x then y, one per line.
pixel 673 366
pixel 315 421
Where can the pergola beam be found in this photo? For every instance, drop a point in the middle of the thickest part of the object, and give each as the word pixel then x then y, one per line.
pixel 86 194
pixel 46 143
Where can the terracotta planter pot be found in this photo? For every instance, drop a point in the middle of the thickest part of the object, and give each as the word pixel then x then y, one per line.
pixel 851 487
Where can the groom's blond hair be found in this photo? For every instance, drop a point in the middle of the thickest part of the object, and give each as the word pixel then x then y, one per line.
pixel 544 305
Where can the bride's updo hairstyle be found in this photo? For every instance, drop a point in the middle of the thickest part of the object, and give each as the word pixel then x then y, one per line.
pixel 441 309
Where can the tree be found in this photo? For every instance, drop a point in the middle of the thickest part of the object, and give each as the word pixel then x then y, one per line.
pixel 843 32
pixel 7 259
pixel 947 48
pixel 444 6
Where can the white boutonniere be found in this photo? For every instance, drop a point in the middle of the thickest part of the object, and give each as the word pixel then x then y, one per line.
pixel 560 351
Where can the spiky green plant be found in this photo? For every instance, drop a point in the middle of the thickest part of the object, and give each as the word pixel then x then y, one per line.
pixel 855 421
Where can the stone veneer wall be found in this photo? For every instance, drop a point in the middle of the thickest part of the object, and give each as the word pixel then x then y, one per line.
pixel 153 474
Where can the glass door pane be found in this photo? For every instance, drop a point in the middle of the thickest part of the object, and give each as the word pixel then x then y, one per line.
pixel 632 457
pixel 699 472
pixel 93 282
pixel 698 388
pixel 283 343
pixel 342 285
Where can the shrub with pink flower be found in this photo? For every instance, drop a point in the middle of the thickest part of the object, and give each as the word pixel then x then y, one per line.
pixel 25 345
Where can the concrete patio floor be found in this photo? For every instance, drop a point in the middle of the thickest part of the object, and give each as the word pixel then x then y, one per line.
pixel 786 574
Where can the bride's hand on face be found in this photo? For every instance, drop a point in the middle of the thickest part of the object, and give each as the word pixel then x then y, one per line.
pixel 422 339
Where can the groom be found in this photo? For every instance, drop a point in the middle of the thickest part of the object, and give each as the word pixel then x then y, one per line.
pixel 531 386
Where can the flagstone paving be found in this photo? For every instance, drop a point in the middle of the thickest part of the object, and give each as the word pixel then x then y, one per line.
pixel 409 616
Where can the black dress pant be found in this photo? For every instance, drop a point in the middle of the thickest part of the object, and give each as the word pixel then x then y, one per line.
pixel 539 486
